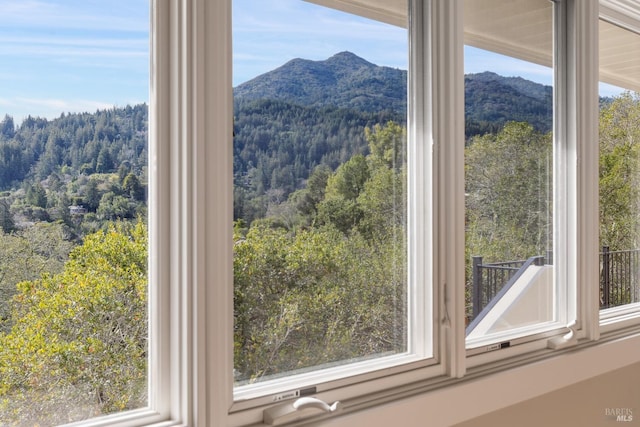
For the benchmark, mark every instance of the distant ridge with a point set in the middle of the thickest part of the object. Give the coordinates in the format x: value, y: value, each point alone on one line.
x: 348, y: 81
x: 492, y: 100
x: 344, y: 80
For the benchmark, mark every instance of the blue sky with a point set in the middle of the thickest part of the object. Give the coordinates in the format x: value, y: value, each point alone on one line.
x: 81, y: 55
x: 72, y: 55
x: 268, y: 34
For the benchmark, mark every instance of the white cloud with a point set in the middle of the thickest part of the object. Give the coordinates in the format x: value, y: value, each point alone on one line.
x: 51, y: 108
x: 64, y: 14
x: 71, y: 55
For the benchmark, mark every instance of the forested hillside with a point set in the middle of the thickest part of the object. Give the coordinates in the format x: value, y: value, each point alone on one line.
x: 73, y: 143
x: 62, y: 179
x: 492, y: 100
x: 320, y: 230
x: 344, y: 81
x: 288, y: 122
x: 306, y: 114
x: 278, y: 144
x: 97, y: 161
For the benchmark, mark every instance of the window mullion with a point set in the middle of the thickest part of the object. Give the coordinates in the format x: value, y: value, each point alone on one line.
x: 581, y: 107
x: 161, y: 366
x: 448, y: 136
x: 212, y: 104
x: 192, y: 87
x: 564, y: 167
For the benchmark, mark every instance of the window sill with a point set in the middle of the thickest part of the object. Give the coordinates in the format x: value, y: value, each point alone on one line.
x: 617, y: 318
x: 470, y: 394
x: 140, y: 417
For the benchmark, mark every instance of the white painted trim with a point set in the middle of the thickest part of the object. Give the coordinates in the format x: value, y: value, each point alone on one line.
x: 585, y: 104
x: 159, y: 294
x: 502, y: 389
x: 212, y: 174
x: 625, y: 13
x: 564, y: 164
x: 447, y: 58
x: 423, y: 331
x: 392, y: 14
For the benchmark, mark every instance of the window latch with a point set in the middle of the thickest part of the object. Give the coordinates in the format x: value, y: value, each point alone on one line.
x: 568, y: 340
x: 290, y: 411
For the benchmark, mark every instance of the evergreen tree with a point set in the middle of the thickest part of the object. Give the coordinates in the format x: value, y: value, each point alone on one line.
x: 37, y: 195
x: 7, y: 128
x: 6, y: 218
x: 92, y: 195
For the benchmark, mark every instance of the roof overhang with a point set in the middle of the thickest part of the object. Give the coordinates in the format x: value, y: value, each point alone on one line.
x: 522, y: 29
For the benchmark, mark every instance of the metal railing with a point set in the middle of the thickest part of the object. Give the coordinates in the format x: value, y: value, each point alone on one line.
x: 493, y: 299
x: 619, y: 277
x: 490, y: 278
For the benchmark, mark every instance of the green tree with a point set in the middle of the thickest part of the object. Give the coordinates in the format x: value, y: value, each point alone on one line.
x: 26, y: 255
x: 508, y: 185
x: 306, y: 200
x: 387, y: 145
x: 37, y: 195
x: 340, y: 206
x: 78, y: 342
x: 312, y: 298
x: 132, y: 187
x: 7, y: 224
x: 92, y: 195
x: 620, y: 172
x: 349, y: 179
x: 104, y: 162
x: 114, y: 207
x: 7, y: 127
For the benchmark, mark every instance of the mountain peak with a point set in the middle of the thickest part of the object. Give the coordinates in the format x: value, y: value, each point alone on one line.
x: 344, y: 80
x: 348, y: 58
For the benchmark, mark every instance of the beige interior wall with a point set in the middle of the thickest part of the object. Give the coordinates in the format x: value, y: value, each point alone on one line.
x: 591, y: 403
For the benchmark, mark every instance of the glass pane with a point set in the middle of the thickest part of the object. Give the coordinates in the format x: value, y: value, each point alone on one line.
x: 320, y: 253
x: 74, y: 79
x: 619, y: 166
x: 508, y: 166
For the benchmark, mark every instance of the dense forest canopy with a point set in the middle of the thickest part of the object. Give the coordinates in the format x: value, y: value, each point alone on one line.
x: 95, y: 161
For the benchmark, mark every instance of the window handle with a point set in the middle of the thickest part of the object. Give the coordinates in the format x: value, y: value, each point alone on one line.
x: 568, y: 340
x: 288, y: 412
x: 312, y: 402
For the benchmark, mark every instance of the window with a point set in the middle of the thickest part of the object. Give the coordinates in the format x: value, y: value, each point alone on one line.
x: 512, y: 289
x: 73, y: 287
x: 619, y: 109
x: 325, y: 252
x: 191, y: 125
x: 438, y: 72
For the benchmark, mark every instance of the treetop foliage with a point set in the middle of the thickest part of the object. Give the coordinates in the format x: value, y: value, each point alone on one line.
x: 78, y: 344
x: 620, y: 172
x: 328, y: 283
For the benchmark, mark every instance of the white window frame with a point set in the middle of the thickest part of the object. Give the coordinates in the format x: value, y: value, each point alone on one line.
x: 441, y: 68
x: 423, y: 359
x: 575, y: 136
x: 191, y: 299
x: 624, y: 15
